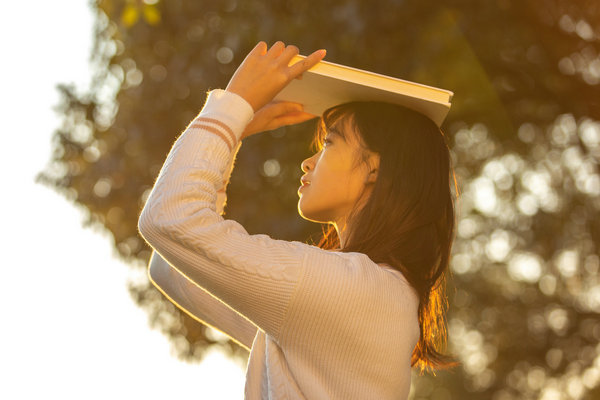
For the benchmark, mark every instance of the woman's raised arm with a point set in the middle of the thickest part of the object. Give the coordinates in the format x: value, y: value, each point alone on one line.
x: 253, y: 274
x: 198, y: 303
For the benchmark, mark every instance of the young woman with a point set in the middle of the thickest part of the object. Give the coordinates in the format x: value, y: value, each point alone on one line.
x: 346, y: 319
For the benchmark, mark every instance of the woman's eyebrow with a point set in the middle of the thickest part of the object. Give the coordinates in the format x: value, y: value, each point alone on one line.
x: 333, y: 131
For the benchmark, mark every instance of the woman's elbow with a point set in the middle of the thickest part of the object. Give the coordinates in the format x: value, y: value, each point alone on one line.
x: 144, y: 224
x: 150, y: 227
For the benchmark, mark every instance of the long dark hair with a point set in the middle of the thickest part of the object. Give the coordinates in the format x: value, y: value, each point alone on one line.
x: 408, y: 221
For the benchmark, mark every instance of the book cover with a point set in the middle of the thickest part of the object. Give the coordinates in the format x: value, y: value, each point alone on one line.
x: 328, y: 84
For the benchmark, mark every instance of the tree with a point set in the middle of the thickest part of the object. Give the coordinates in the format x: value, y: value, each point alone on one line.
x: 524, y: 132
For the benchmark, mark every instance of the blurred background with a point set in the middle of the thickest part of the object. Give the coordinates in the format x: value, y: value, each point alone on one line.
x: 69, y: 327
x: 524, y: 130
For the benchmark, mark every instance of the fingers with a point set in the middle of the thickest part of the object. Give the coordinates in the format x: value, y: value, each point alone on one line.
x: 265, y: 72
x: 276, y: 50
x: 274, y: 115
x: 276, y: 109
x: 260, y: 49
x: 289, y: 53
x: 307, y: 63
x: 284, y: 54
x: 280, y: 109
x: 293, y: 118
x: 288, y: 113
x: 285, y: 107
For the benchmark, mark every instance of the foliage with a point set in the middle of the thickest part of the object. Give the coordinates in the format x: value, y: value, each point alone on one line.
x: 526, y: 145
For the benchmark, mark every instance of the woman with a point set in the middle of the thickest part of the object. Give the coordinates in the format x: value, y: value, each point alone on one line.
x: 347, y: 319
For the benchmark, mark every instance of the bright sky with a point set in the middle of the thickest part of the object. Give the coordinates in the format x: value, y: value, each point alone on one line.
x: 69, y: 327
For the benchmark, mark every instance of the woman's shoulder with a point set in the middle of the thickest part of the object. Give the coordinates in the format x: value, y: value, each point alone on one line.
x: 360, y: 266
x: 352, y: 279
x: 389, y: 272
x: 364, y: 261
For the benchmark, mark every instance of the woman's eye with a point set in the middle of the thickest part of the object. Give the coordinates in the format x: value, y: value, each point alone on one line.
x: 326, y: 142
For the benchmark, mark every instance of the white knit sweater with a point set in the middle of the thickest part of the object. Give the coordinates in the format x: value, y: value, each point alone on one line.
x: 320, y: 324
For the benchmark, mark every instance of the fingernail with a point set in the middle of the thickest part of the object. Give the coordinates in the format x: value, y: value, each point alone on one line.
x: 323, y: 52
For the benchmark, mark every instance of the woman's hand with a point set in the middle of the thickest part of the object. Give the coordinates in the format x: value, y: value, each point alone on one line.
x: 275, y: 115
x: 264, y: 73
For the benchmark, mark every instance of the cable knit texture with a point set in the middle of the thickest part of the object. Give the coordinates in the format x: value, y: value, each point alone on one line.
x: 319, y: 324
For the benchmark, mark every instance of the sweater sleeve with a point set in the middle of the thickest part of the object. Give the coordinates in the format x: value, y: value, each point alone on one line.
x: 195, y: 300
x: 198, y: 303
x: 252, y: 274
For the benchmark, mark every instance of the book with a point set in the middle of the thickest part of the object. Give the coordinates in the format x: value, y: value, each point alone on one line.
x: 328, y: 84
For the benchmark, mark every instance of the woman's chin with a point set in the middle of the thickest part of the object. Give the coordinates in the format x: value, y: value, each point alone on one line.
x: 310, y: 215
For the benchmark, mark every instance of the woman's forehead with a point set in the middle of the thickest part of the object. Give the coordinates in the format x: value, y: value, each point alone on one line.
x: 345, y: 129
x: 335, y: 132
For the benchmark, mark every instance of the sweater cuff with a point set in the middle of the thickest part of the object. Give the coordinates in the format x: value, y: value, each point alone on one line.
x: 229, y: 108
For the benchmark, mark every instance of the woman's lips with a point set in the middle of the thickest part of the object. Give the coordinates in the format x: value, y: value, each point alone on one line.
x: 304, y: 185
x: 305, y: 182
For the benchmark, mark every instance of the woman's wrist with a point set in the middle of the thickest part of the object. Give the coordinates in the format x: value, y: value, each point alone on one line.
x: 229, y: 108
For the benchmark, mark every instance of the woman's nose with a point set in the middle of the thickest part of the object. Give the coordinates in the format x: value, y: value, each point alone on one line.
x: 306, y: 165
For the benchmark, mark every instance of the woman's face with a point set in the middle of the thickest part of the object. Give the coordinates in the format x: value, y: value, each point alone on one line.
x: 336, y: 176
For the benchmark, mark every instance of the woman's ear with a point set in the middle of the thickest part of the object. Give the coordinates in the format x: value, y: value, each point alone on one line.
x: 372, y: 177
x: 373, y: 169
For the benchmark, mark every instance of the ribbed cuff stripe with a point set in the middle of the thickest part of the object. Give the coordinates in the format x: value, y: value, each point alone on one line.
x: 220, y: 124
x: 214, y: 130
